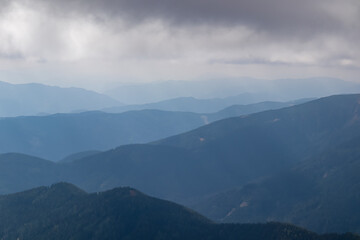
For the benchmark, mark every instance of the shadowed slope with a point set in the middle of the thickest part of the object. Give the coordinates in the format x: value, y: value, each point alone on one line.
x: 63, y: 211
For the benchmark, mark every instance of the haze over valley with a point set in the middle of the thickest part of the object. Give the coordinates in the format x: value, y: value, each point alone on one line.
x: 202, y: 119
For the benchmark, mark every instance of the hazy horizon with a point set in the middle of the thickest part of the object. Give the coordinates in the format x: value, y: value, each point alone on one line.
x: 102, y: 44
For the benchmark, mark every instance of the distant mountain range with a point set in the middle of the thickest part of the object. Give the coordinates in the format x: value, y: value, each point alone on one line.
x: 296, y: 164
x: 195, y: 96
x: 38, y: 99
x: 190, y: 104
x: 248, y: 90
x: 56, y: 136
x: 64, y: 211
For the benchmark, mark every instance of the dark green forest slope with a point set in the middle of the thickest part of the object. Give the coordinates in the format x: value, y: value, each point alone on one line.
x: 321, y: 194
x: 63, y: 211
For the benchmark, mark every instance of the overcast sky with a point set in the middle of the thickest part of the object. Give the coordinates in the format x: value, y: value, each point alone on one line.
x: 97, y: 43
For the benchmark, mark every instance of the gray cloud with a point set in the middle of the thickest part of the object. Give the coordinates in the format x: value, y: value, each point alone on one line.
x: 187, y: 38
x: 286, y: 17
x: 281, y: 20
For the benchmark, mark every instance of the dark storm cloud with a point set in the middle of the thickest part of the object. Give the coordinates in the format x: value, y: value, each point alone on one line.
x: 305, y: 17
x: 183, y: 38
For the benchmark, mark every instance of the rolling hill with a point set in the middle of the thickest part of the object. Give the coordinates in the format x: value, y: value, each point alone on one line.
x: 224, y: 154
x: 20, y: 172
x: 56, y: 136
x: 321, y: 194
x: 248, y: 90
x: 220, y: 155
x: 190, y: 104
x: 38, y: 99
x: 64, y: 211
x: 190, y: 167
